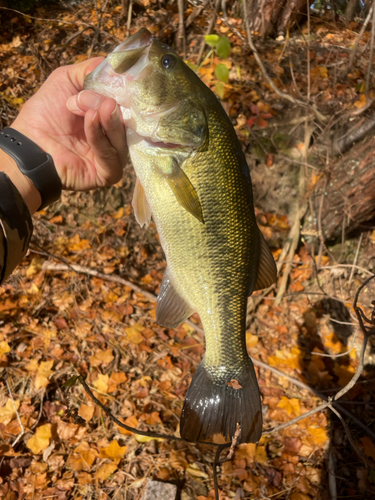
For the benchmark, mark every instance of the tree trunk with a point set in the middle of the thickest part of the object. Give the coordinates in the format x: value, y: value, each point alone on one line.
x: 350, y: 10
x: 346, y: 196
x: 272, y: 17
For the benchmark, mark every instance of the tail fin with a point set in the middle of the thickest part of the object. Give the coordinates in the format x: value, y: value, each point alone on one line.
x: 217, y: 400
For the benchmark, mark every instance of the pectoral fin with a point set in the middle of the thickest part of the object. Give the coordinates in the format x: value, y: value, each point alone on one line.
x: 171, y: 308
x: 142, y: 210
x: 184, y: 191
x: 267, y: 271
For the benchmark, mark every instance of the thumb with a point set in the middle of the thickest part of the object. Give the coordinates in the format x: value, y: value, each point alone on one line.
x: 78, y: 72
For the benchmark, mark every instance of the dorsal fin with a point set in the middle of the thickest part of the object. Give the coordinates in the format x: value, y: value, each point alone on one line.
x: 267, y: 271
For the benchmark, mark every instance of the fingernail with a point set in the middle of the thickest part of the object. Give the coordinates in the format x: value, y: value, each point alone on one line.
x: 71, y: 104
x: 95, y: 115
x: 115, y: 115
x: 89, y: 99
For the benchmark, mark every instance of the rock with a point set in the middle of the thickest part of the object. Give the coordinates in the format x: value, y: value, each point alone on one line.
x: 159, y: 490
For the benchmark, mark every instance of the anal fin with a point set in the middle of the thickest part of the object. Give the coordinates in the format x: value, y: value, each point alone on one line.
x: 142, y: 210
x: 267, y: 271
x: 171, y: 308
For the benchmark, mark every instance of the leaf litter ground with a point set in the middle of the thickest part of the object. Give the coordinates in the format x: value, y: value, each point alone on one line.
x: 57, y: 323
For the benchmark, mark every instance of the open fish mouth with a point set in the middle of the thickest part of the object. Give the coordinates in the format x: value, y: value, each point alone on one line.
x: 128, y: 62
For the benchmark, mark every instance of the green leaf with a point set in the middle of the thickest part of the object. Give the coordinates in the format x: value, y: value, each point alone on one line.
x: 220, y: 89
x: 71, y: 381
x: 223, y: 47
x: 222, y: 72
x: 212, y: 40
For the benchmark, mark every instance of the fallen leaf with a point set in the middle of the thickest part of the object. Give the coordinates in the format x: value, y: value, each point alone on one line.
x: 101, y: 358
x: 4, y: 348
x: 234, y: 384
x: 86, y: 412
x: 105, y: 471
x: 41, y: 439
x: 8, y: 411
x: 101, y: 383
x: 131, y: 422
x: 43, y: 374
x: 116, y: 379
x: 290, y: 405
x: 318, y: 435
x: 114, y: 450
x: 368, y: 447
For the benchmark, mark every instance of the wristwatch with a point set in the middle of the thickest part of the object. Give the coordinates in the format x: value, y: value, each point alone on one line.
x: 33, y: 162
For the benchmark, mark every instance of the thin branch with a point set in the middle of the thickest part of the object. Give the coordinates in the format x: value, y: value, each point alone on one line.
x: 209, y: 29
x: 360, y: 34
x: 271, y: 83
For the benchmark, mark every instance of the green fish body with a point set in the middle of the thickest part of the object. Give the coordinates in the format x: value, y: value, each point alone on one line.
x: 193, y: 178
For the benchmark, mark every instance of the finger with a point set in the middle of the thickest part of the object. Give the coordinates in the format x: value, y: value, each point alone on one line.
x: 107, y: 162
x: 110, y: 119
x: 72, y: 105
x: 78, y: 72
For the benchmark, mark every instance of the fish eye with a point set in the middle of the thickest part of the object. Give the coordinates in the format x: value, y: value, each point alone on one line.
x: 168, y: 61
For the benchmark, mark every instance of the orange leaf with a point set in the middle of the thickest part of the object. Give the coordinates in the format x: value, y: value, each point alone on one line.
x: 101, y: 358
x: 8, y: 412
x: 116, y: 379
x: 153, y: 418
x: 4, y: 348
x: 86, y: 412
x: 318, y: 435
x: 114, y: 450
x: 131, y: 422
x: 101, y: 383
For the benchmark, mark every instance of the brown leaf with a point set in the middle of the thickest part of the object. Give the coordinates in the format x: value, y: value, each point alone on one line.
x: 105, y: 471
x: 235, y: 384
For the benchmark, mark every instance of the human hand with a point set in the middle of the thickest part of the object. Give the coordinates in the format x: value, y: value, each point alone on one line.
x: 87, y: 141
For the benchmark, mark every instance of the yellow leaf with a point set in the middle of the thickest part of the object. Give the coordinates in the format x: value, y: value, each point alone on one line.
x: 34, y: 267
x: 114, y: 450
x: 101, y: 383
x: 146, y: 439
x: 133, y: 335
x: 119, y: 214
x: 41, y: 439
x: 290, y: 405
x: 8, y: 412
x: 332, y: 342
x: 101, y: 357
x: 290, y: 358
x: 44, y: 372
x: 105, y: 471
x: 32, y: 366
x: 368, y: 447
x: 251, y: 340
x: 4, y: 348
x: 318, y: 435
x: 75, y: 244
x: 261, y: 455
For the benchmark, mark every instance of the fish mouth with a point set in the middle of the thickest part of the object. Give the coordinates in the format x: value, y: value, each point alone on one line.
x: 129, y: 61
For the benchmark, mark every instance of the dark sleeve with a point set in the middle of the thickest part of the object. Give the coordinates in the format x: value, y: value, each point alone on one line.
x: 16, y: 227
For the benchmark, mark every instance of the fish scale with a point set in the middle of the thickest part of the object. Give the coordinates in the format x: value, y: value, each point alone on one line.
x: 195, y: 181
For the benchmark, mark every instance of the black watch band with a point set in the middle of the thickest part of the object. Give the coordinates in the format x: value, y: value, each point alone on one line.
x: 33, y: 162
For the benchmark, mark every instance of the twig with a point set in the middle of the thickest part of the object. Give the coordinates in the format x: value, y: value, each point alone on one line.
x: 360, y: 34
x: 196, y: 13
x: 355, y: 258
x: 331, y: 475
x: 181, y: 38
x: 271, y: 83
x: 234, y: 443
x: 129, y: 20
x: 209, y: 29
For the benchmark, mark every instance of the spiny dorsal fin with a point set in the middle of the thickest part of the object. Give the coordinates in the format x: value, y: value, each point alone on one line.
x: 267, y: 271
x: 171, y: 308
x: 142, y: 210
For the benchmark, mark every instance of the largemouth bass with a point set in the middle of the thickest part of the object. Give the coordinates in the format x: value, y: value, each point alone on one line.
x: 193, y: 178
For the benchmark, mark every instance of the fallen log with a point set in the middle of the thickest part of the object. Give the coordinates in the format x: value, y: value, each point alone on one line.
x: 345, y: 195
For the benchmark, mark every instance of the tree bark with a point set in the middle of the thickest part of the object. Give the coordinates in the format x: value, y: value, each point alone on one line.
x: 350, y: 10
x: 272, y: 17
x: 345, y: 197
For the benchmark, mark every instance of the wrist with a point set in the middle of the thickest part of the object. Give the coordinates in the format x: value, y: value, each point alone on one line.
x: 34, y: 164
x: 25, y: 186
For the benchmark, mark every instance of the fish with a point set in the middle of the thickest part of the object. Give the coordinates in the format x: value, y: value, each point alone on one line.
x: 193, y: 179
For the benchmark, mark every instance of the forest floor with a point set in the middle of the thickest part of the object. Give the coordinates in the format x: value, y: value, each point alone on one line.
x: 59, y: 321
